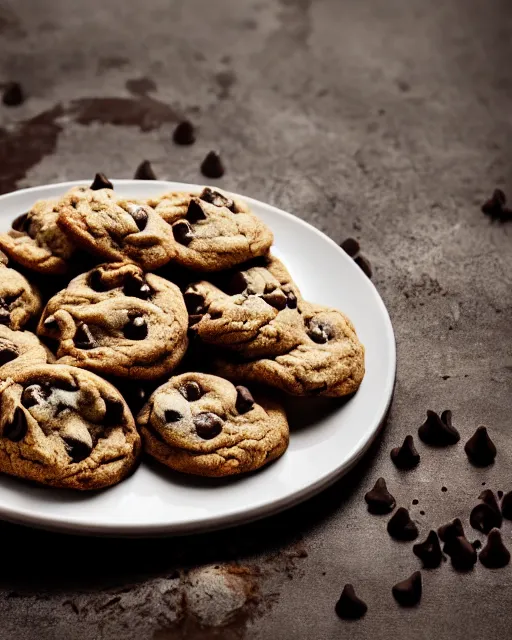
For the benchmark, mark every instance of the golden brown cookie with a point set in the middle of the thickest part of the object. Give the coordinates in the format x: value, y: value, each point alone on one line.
x: 65, y: 427
x: 203, y: 425
x: 19, y: 300
x: 20, y: 349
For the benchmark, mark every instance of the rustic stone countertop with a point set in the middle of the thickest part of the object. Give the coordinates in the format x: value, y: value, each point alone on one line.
x: 387, y: 121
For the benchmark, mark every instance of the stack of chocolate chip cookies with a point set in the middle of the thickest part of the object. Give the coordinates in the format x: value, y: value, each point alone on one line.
x: 125, y: 325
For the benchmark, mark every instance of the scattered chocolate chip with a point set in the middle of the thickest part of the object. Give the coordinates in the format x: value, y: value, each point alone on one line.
x: 21, y: 223
x: 136, y: 328
x: 217, y: 199
x: 461, y: 552
x: 184, y: 133
x: 350, y: 246
x: 83, y: 338
x: 191, y: 391
x: 506, y: 506
x: 365, y: 266
x: 17, y: 428
x: 95, y: 281
x: 429, y: 552
x: 212, y: 166
x: 208, y: 425
x: 13, y: 94
x: 495, y: 207
x: 136, y: 287
x: 32, y: 395
x: 480, y: 449
x: 195, y: 212
x: 101, y: 182
x: 379, y: 500
x: 7, y: 354
x: 276, y: 299
x: 408, y: 592
x: 401, y: 527
x: 495, y: 554
x: 349, y: 606
x: 182, y: 232
x: 244, y: 399
x: 114, y: 412
x: 5, y: 316
x: 76, y: 449
x: 486, y: 516
x: 320, y: 331
x: 144, y: 171
x: 51, y: 323
x: 422, y: 513
x: 406, y: 456
x: 171, y: 415
x: 444, y: 489
x: 451, y: 530
x: 140, y: 216
x: 415, y: 501
x: 438, y: 431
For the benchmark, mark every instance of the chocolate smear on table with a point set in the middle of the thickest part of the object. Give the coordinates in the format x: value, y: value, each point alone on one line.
x: 13, y: 94
x: 480, y: 449
x: 495, y: 554
x: 401, y: 527
x: 349, y: 606
x: 438, y: 431
x: 496, y: 207
x: 408, y: 592
x: 350, y: 246
x: 101, y: 182
x: 184, y: 133
x: 145, y: 171
x: 506, y: 506
x: 212, y: 166
x: 461, y: 552
x: 406, y: 456
x: 486, y: 516
x: 429, y: 551
x: 379, y: 500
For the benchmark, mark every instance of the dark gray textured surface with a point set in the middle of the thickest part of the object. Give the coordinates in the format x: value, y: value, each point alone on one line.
x: 389, y: 121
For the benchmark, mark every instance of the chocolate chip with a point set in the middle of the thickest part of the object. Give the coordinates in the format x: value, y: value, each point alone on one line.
x: 17, y: 428
x: 136, y: 287
x: 462, y: 553
x: 212, y: 166
x: 171, y: 415
x: 65, y: 385
x: 401, y: 527
x: 495, y: 554
x: 101, y: 182
x: 320, y: 331
x: 364, y: 264
x: 429, y: 552
x: 506, y: 506
x: 184, y: 133
x: 438, y: 431
x: 237, y: 284
x: 244, y: 399
x: 114, y: 412
x: 76, y: 449
x: 195, y: 212
x: 217, y: 199
x: 136, y: 328
x: 495, y: 207
x: 408, y: 592
x: 21, y: 223
x: 349, y: 606
x: 51, y: 323
x: 450, y: 531
x: 276, y: 299
x: 182, y: 232
x: 480, y: 449
x: 379, y: 500
x: 194, y: 302
x: 486, y: 516
x: 83, y: 338
x: 7, y: 354
x: 291, y: 300
x: 350, y: 246
x: 406, y: 456
x: 5, y: 316
x: 144, y: 171
x: 191, y: 391
x: 140, y: 215
x: 33, y: 395
x: 13, y: 94
x: 95, y: 281
x: 208, y: 425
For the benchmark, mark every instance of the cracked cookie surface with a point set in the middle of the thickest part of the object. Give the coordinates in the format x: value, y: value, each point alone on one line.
x: 65, y: 427
x: 19, y: 349
x: 202, y: 424
x: 19, y: 300
x: 115, y: 320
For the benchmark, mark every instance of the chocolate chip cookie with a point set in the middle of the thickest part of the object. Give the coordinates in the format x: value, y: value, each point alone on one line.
x: 115, y: 320
x: 65, y: 427
x: 19, y: 349
x: 19, y: 300
x: 213, y: 231
x: 203, y: 425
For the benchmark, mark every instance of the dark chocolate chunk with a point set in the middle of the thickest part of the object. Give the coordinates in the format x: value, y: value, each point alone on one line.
x: 136, y: 328
x: 495, y: 554
x: 114, y: 411
x: 438, y: 432
x: 291, y: 300
x: 237, y: 284
x: 429, y: 552
x: 76, y: 449
x: 212, y: 166
x: 32, y: 395
x: 17, y: 428
x: 276, y: 299
x: 217, y: 199
x: 496, y: 207
x: 191, y: 391
x: 195, y: 212
x: 462, y: 553
x: 379, y: 500
x: 171, y: 415
x: 13, y: 94
x: 506, y: 506
x: 7, y: 354
x: 244, y: 399
x: 480, y: 449
x: 320, y: 331
x: 101, y: 182
x: 5, y: 316
x: 136, y: 287
x: 144, y: 171
x: 184, y: 133
x: 448, y: 532
x: 182, y: 232
x: 83, y: 338
x: 51, y: 323
x: 365, y: 266
x: 406, y: 456
x: 350, y: 246
x: 21, y: 223
x: 486, y: 516
x: 349, y: 606
x: 194, y: 302
x: 140, y: 215
x: 208, y: 425
x: 95, y: 281
x: 408, y: 592
x: 401, y: 527
x: 65, y: 385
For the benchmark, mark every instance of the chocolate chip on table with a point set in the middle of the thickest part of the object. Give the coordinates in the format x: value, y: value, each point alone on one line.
x: 244, y: 399
x: 144, y: 171
x: 365, y: 266
x: 136, y: 328
x: 401, y: 527
x: 379, y: 500
x: 276, y: 299
x: 17, y: 428
x: 182, y: 232
x: 506, y: 506
x: 406, y: 456
x: 83, y: 337
x: 114, y: 412
x: 195, y: 212
x: 429, y: 551
x: 7, y: 354
x: 495, y: 554
x: 136, y: 287
x: 171, y: 415
x: 51, y: 323
x: 320, y: 331
x: 462, y: 553
x: 448, y: 532
x: 101, y: 182
x: 140, y: 216
x: 217, y: 199
x: 33, y: 395
x: 191, y: 391
x: 486, y: 516
x: 76, y: 449
x: 408, y: 592
x: 350, y: 246
x: 184, y: 133
x: 349, y: 606
x: 480, y: 449
x: 496, y: 207
x: 13, y: 94
x: 21, y: 223
x: 208, y: 425
x: 212, y: 166
x: 438, y: 431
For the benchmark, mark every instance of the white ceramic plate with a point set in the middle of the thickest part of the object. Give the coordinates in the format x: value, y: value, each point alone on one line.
x: 327, y: 438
